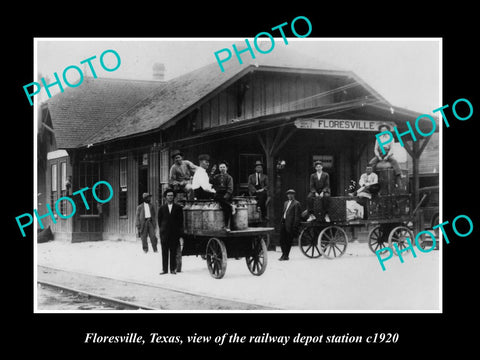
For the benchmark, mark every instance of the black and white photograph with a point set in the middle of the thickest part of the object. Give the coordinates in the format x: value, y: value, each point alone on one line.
x: 296, y: 181
x: 220, y: 175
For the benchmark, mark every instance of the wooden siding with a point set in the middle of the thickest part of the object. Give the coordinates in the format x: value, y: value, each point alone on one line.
x: 62, y: 229
x: 116, y: 227
x: 264, y: 94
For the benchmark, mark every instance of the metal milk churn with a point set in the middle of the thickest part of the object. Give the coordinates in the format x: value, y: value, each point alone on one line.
x: 240, y: 218
x: 253, y: 213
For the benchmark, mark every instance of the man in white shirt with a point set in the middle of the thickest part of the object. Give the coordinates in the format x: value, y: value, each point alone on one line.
x: 201, y: 185
x: 368, y: 183
x: 145, y: 221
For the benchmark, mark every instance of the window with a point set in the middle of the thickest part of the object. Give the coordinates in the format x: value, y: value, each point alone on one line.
x: 164, y: 166
x: 88, y: 175
x: 63, y: 187
x: 122, y: 206
x: 246, y: 166
x: 53, y: 191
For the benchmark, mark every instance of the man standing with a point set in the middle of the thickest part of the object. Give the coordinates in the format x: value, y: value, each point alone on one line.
x: 223, y: 185
x: 258, y: 186
x: 181, y: 173
x: 290, y: 223
x: 319, y: 192
x: 170, y: 222
x: 145, y: 222
x: 201, y: 185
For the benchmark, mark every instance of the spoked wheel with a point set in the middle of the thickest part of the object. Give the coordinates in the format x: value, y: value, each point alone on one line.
x: 399, y: 236
x: 216, y: 256
x: 308, y: 242
x: 257, y: 258
x: 333, y: 241
x: 377, y: 238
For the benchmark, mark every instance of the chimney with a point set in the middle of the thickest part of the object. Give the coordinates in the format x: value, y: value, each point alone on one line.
x: 158, y: 71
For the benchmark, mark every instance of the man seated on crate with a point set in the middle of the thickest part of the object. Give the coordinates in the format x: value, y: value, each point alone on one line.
x: 319, y: 193
x: 368, y: 183
x: 387, y: 156
x: 223, y: 185
x: 201, y: 186
x: 181, y: 173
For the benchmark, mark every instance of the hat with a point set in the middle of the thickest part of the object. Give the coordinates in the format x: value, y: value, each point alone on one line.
x: 290, y: 191
x: 258, y: 162
x: 176, y: 152
x: 317, y: 162
x: 204, y: 157
x: 145, y: 195
x: 383, y: 124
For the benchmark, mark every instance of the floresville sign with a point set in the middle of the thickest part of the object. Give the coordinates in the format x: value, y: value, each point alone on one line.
x: 340, y: 124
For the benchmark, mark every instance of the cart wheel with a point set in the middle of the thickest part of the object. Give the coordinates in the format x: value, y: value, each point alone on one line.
x: 257, y: 258
x: 216, y: 258
x: 308, y: 243
x: 377, y: 238
x: 333, y: 241
x: 399, y: 235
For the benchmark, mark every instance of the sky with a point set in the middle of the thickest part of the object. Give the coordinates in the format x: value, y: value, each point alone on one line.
x: 404, y: 71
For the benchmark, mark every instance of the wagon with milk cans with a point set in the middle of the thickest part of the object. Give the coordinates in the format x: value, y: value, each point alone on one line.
x: 389, y: 216
x: 204, y: 235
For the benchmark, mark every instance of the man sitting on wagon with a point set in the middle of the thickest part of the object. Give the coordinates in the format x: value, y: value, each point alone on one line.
x: 223, y: 185
x: 201, y: 185
x: 368, y: 183
x: 181, y: 173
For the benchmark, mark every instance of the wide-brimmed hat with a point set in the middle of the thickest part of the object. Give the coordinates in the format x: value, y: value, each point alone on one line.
x: 258, y: 162
x: 317, y: 162
x: 290, y: 191
x: 176, y: 152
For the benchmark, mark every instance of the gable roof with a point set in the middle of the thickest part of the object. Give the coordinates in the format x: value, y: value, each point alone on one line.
x: 80, y: 112
x: 183, y: 93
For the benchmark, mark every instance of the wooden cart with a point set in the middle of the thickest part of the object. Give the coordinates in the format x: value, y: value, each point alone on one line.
x: 388, y: 226
x: 216, y: 246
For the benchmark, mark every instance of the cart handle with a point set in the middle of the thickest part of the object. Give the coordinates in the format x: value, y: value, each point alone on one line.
x: 419, y: 204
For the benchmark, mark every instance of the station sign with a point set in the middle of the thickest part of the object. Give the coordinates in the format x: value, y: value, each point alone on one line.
x: 340, y: 124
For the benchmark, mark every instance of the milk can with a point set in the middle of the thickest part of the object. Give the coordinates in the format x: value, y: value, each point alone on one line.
x: 240, y: 218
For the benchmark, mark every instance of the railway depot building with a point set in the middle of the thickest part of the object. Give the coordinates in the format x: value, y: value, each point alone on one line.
x: 273, y: 108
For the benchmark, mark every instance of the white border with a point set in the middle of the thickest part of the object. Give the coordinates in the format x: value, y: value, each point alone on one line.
x: 36, y: 109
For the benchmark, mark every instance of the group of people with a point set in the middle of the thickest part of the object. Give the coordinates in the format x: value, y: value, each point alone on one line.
x: 195, y: 183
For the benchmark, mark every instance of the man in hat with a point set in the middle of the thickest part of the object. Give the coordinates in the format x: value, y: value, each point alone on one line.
x: 170, y: 222
x: 319, y: 192
x: 388, y: 156
x: 181, y: 173
x: 258, y: 186
x: 290, y: 223
x: 146, y: 223
x: 201, y: 185
x: 223, y: 185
